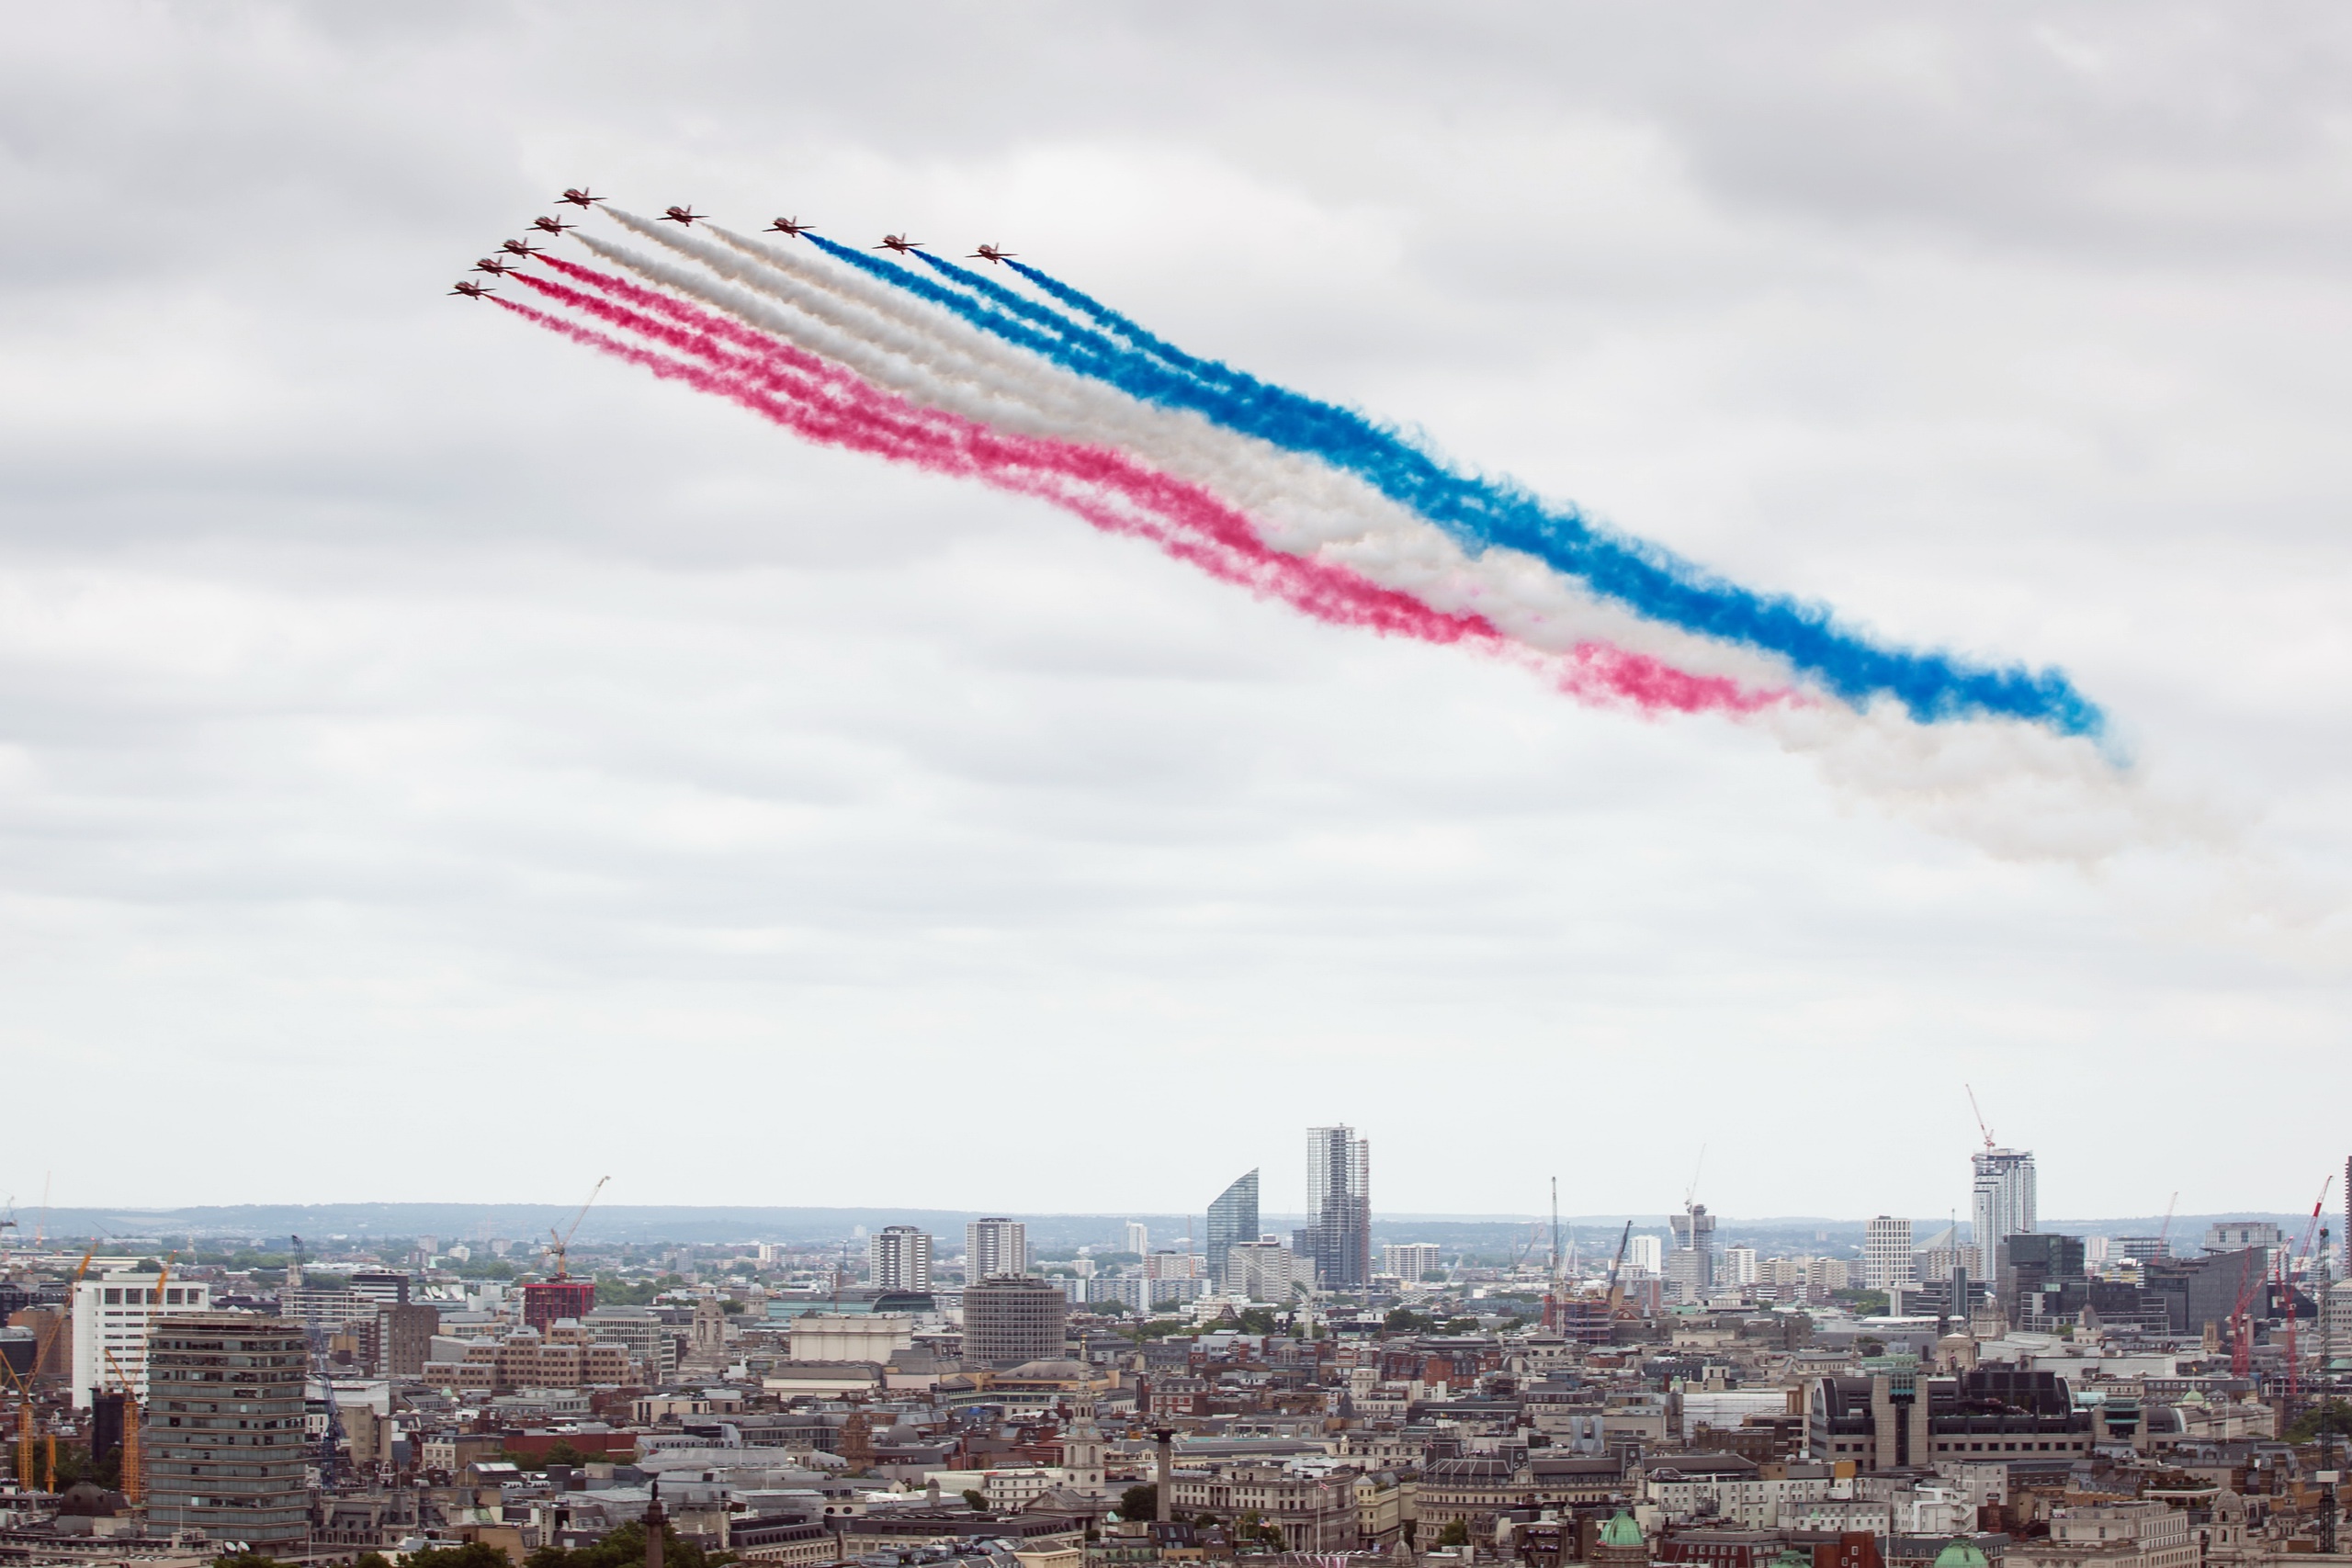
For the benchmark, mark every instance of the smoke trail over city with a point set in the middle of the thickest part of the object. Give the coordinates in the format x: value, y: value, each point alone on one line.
x: 1025, y: 383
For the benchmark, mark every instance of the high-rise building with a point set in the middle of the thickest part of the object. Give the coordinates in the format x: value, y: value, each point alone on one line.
x: 1692, y: 1263
x: 383, y: 1288
x: 1136, y: 1239
x: 1261, y: 1269
x: 234, y: 1472
x: 1010, y: 1318
x: 1646, y: 1254
x: 110, y: 1318
x: 901, y: 1259
x: 1409, y: 1260
x: 1739, y: 1266
x: 1886, y: 1253
x: 547, y: 1302
x: 1339, y: 1196
x: 1232, y: 1217
x: 404, y: 1338
x: 2002, y: 1205
x: 993, y: 1247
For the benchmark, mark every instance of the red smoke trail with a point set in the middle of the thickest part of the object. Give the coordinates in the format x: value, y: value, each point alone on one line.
x: 849, y: 411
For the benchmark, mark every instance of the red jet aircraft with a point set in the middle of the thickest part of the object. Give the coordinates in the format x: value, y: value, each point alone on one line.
x: 473, y: 290
x: 493, y: 267
x: 579, y: 197
x: 517, y: 247
x: 792, y: 226
x: 550, y: 226
x: 989, y: 253
x: 682, y: 215
x: 900, y: 243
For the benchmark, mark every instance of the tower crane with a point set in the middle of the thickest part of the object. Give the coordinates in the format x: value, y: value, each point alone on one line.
x: 563, y: 1239
x: 1980, y: 1118
x: 27, y: 1421
x: 2163, y: 1235
x: 1616, y: 1272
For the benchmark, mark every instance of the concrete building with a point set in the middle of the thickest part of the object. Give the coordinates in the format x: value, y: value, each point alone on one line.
x: 2236, y: 1236
x: 2115, y: 1535
x: 993, y: 1247
x: 1646, y: 1254
x: 1314, y: 1513
x: 899, y: 1258
x: 404, y: 1334
x: 1013, y: 1318
x: 1740, y: 1266
x: 110, y: 1318
x: 1135, y: 1236
x: 1886, y: 1253
x: 1339, y: 1199
x: 1691, y: 1266
x: 1891, y: 1417
x: 1233, y: 1217
x: 851, y: 1337
x: 651, y: 1342
x: 226, y: 1442
x: 1409, y: 1260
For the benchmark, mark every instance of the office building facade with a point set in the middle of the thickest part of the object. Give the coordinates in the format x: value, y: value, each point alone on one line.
x: 1013, y: 1318
x: 110, y: 1318
x: 1339, y: 1196
x: 995, y: 1247
x: 1233, y: 1217
x: 1409, y: 1260
x: 899, y: 1258
x: 2002, y: 1203
x: 1692, y: 1265
x: 225, y: 1445
x: 1886, y: 1253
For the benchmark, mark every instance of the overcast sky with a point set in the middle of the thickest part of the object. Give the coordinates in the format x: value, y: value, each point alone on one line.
x: 436, y: 763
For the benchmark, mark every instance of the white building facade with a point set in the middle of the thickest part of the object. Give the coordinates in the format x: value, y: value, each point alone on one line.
x: 110, y: 1318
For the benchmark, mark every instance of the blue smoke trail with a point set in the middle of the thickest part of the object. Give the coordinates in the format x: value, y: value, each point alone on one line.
x: 1480, y: 513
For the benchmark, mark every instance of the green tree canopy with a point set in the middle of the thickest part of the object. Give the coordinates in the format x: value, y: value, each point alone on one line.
x: 1140, y: 1502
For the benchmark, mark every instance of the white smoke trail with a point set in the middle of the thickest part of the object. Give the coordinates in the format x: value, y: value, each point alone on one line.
x: 2012, y: 789
x: 1302, y: 507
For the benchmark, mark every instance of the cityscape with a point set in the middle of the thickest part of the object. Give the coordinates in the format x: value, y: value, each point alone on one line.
x: 1664, y: 1389
x: 1217, y: 785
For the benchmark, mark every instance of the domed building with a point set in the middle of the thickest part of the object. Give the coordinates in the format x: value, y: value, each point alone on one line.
x: 1619, y: 1545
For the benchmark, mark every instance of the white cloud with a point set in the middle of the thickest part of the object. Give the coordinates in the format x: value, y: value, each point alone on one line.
x: 399, y: 710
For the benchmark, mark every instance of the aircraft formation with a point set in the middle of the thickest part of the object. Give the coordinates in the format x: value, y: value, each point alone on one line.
x: 684, y: 215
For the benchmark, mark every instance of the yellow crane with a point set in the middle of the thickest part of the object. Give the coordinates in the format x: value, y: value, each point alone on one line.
x: 563, y: 1239
x: 28, y: 1424
x: 134, y: 1475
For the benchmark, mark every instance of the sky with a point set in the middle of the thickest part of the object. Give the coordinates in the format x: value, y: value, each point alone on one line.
x: 436, y: 763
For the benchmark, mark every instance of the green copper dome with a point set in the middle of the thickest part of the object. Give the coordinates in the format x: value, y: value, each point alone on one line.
x: 1623, y: 1531
x: 1961, y: 1554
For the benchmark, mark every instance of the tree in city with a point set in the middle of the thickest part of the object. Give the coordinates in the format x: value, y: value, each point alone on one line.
x: 473, y: 1554
x: 564, y: 1453
x: 624, y: 1548
x: 976, y: 1499
x: 1455, y: 1533
x: 1140, y: 1502
x: 2331, y: 1419
x: 1405, y: 1320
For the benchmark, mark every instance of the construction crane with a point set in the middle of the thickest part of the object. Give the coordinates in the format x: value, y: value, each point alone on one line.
x: 1980, y: 1118
x: 2163, y: 1235
x: 132, y: 1491
x: 28, y: 1428
x: 562, y: 1247
x: 2287, y: 1271
x: 1616, y: 1272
